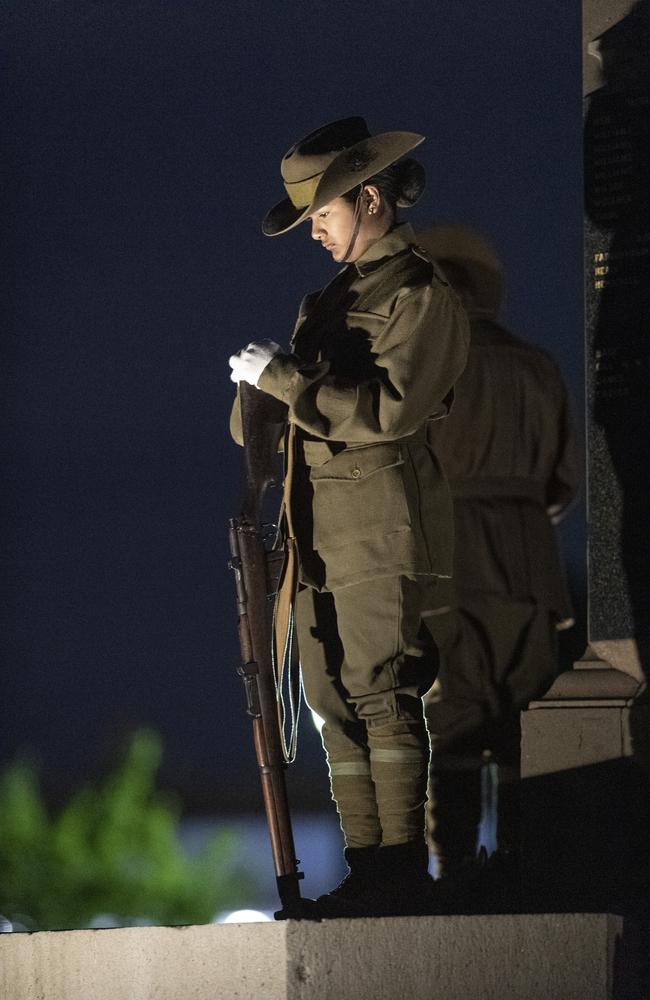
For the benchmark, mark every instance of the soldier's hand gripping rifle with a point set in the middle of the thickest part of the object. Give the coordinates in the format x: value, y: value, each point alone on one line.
x: 263, y: 421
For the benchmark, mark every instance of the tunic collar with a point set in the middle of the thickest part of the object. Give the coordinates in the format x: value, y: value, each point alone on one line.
x: 395, y: 241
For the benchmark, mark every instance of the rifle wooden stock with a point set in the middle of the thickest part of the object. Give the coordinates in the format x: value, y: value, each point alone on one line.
x: 255, y: 588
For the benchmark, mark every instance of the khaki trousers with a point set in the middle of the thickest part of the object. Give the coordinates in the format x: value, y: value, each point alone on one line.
x: 366, y: 660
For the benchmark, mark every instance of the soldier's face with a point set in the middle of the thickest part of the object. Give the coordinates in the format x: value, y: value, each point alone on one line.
x: 333, y: 225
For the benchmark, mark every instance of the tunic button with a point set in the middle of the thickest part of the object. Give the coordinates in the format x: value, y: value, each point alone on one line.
x: 356, y: 472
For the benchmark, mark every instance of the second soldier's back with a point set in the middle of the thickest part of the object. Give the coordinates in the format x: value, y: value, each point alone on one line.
x: 509, y: 453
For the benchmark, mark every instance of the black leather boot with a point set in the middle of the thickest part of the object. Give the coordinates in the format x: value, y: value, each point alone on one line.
x: 354, y: 896
x: 406, y: 888
x: 390, y: 881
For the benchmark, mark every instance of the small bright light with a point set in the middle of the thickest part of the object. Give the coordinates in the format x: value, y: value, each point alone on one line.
x: 318, y: 722
x: 243, y: 917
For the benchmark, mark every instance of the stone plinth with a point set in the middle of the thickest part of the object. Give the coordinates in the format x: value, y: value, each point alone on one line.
x: 586, y: 717
x: 564, y: 956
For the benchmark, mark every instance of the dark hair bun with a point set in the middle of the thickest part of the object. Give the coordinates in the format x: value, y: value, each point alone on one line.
x: 412, y: 179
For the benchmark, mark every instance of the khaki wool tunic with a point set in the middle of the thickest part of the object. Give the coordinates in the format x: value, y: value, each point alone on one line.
x: 374, y: 357
x: 510, y: 454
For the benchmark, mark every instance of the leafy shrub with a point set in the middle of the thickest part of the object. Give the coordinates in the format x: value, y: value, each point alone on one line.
x: 113, y: 849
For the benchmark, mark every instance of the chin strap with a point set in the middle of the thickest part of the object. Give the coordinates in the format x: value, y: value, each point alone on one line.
x: 355, y: 226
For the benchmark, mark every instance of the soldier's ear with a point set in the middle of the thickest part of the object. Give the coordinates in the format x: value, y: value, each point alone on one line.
x: 372, y: 199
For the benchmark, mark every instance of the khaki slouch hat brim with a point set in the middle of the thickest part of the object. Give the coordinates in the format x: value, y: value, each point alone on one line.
x: 313, y: 176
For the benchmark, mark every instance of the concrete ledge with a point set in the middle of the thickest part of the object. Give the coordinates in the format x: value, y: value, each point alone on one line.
x: 523, y: 957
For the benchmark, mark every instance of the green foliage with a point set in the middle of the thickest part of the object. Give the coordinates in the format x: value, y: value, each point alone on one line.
x: 114, y: 849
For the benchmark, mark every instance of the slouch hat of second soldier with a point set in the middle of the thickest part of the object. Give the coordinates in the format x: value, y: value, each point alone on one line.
x: 464, y: 246
x: 329, y: 162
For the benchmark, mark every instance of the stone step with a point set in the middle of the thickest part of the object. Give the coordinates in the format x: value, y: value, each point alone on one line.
x: 522, y: 957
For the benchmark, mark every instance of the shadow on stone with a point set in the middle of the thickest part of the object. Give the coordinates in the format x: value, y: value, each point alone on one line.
x: 590, y: 848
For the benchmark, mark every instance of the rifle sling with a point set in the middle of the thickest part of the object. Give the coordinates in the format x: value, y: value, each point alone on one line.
x: 284, y: 648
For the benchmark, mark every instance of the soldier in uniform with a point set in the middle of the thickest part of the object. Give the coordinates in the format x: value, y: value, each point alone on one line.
x: 510, y: 455
x: 373, y: 358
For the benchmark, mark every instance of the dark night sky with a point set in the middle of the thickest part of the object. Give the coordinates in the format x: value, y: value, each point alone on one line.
x: 141, y: 146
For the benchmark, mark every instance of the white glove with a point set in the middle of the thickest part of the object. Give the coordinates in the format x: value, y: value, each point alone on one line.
x: 249, y: 363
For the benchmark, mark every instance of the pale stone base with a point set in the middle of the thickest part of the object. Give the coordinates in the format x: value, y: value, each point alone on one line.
x: 524, y: 957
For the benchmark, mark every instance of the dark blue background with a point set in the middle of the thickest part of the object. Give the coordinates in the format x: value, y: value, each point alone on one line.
x: 141, y: 147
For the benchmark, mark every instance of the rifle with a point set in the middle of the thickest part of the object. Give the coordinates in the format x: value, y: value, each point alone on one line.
x: 256, y: 569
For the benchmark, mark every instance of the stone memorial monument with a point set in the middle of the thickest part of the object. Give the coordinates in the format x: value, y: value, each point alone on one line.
x: 586, y: 744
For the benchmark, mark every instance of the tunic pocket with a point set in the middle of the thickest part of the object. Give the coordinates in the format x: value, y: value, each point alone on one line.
x: 358, y: 494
